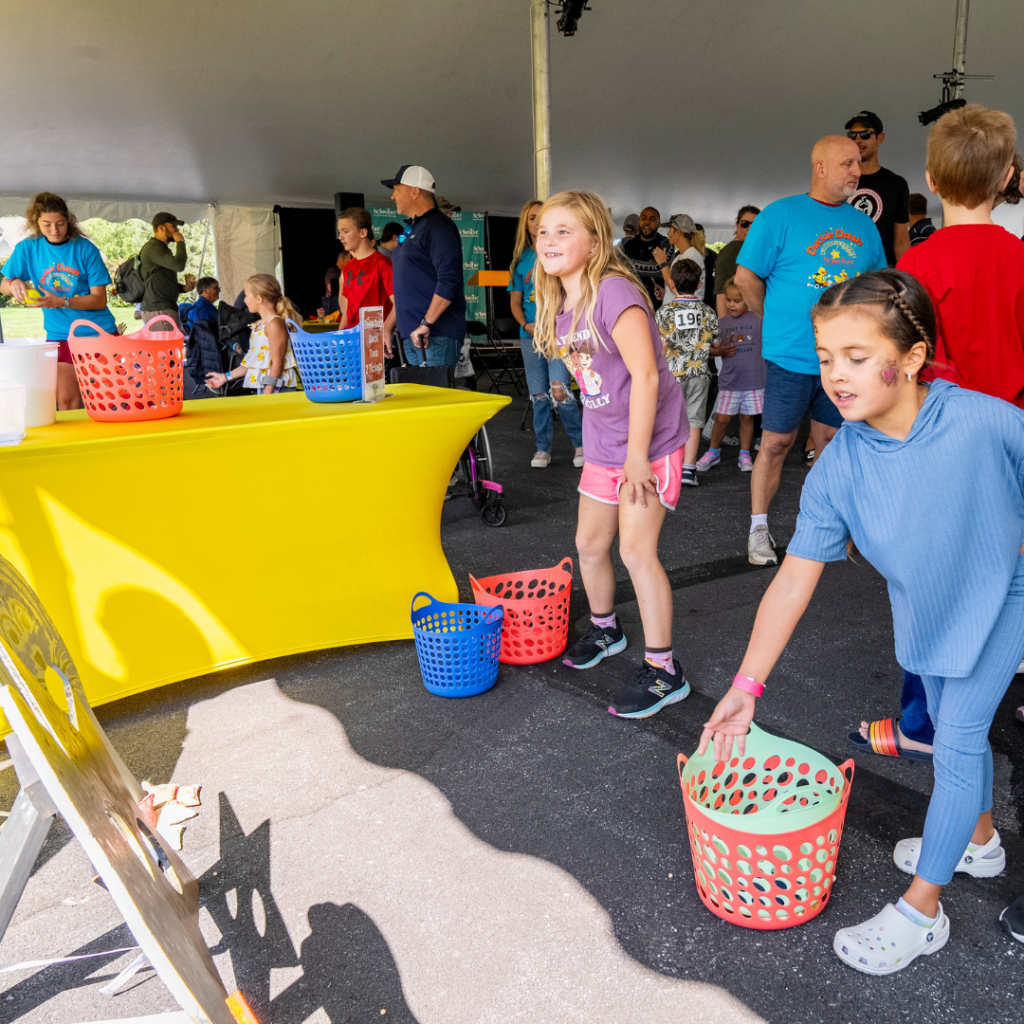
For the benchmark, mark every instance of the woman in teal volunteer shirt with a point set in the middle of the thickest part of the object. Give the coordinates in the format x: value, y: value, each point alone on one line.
x: 68, y: 272
x: 547, y: 379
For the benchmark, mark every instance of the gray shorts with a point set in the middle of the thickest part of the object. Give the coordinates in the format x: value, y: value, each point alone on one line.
x: 695, y: 393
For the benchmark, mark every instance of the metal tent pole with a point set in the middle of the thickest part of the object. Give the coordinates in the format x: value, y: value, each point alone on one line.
x: 960, y: 46
x: 539, y: 46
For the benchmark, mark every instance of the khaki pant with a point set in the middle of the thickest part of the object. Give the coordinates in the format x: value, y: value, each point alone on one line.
x: 149, y: 314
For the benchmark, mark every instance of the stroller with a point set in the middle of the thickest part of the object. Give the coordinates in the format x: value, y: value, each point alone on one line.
x: 207, y: 352
x: 475, y: 466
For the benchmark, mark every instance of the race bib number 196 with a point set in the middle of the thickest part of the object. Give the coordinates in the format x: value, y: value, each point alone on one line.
x: 686, y: 318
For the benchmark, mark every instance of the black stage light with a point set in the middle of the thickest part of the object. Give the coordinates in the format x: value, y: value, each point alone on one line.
x: 926, y: 117
x: 572, y: 11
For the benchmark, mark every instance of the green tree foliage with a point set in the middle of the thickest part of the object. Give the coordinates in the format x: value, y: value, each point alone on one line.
x: 118, y: 241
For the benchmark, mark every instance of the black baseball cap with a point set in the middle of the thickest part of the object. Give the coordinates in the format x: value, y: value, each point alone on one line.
x: 166, y: 218
x: 869, y: 120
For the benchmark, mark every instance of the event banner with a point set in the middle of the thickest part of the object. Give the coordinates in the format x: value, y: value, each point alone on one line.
x: 474, y: 257
x: 371, y: 352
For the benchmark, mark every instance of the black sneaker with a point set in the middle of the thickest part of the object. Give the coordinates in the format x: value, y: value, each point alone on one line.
x: 599, y: 642
x: 651, y: 690
x: 1012, y: 919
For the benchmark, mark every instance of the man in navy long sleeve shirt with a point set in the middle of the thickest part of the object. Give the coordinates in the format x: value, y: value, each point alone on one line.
x: 430, y: 294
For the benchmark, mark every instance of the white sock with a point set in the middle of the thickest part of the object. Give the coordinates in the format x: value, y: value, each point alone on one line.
x: 756, y: 521
x: 915, y: 915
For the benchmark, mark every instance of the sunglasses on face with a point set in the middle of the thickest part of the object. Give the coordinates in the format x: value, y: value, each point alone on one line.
x: 744, y: 223
x: 860, y: 135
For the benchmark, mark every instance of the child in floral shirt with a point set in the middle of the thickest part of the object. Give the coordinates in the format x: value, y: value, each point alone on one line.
x: 689, y: 336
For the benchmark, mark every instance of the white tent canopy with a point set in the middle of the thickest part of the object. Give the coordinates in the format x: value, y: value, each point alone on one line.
x: 689, y: 105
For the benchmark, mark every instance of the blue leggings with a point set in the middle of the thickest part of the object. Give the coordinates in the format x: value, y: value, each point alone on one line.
x: 962, y: 711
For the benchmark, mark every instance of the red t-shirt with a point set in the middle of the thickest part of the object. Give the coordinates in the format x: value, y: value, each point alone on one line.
x: 974, y: 274
x: 367, y: 282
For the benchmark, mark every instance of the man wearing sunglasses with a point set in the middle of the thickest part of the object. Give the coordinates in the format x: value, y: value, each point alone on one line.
x: 725, y: 265
x: 881, y: 194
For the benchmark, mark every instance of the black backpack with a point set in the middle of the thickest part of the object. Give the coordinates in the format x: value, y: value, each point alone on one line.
x: 128, y: 280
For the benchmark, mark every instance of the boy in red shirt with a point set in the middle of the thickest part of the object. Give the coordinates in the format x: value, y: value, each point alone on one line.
x: 973, y: 269
x: 366, y: 279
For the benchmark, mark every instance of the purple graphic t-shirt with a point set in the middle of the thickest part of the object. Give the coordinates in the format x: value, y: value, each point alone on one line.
x: 745, y: 370
x: 604, y: 380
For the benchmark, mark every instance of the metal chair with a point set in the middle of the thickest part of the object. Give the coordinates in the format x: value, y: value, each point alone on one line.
x: 496, y: 357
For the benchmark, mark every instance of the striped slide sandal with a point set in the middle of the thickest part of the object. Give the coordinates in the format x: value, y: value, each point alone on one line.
x: 883, y: 738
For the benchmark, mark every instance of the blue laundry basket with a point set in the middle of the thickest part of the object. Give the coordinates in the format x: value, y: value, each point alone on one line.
x: 458, y: 646
x: 329, y: 364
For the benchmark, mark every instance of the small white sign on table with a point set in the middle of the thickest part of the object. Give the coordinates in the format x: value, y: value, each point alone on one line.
x: 371, y: 352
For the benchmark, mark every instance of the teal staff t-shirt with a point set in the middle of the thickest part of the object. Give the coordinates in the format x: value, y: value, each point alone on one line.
x: 522, y: 281
x: 69, y: 269
x: 801, y: 247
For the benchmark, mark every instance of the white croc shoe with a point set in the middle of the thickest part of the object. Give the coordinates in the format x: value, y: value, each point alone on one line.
x: 978, y: 861
x: 889, y: 941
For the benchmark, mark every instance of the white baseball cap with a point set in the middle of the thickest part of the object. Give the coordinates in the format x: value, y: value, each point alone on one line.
x: 414, y: 175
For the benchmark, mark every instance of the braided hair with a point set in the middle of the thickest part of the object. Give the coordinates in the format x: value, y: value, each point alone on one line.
x: 904, y: 311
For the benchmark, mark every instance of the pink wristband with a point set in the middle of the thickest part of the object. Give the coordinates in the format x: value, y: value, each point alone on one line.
x: 748, y: 684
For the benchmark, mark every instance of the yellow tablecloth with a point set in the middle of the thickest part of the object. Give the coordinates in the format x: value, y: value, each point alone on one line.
x: 243, y: 529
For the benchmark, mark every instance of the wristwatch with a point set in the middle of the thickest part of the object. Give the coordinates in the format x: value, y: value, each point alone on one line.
x: 426, y: 323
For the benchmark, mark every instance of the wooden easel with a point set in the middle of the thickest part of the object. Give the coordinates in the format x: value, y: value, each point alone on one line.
x: 65, y: 763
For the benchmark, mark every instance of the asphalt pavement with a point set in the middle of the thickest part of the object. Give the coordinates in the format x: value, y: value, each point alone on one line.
x: 365, y: 846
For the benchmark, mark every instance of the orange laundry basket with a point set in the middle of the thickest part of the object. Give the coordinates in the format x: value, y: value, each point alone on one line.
x: 536, y: 611
x: 764, y: 830
x: 126, y: 377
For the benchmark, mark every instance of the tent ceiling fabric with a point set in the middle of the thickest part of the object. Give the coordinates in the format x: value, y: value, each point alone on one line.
x: 695, y: 105
x: 110, y: 209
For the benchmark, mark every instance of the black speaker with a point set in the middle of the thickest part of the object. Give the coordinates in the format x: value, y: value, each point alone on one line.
x: 343, y: 200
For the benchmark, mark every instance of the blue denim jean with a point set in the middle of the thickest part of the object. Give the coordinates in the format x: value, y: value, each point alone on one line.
x: 541, y: 373
x: 962, y: 711
x: 440, y: 352
x: 914, y: 721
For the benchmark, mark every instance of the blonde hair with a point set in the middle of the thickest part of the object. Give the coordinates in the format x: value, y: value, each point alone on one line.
x: 266, y: 286
x: 700, y: 242
x: 523, y: 233
x: 969, y: 152
x: 603, y: 262
x: 47, y: 202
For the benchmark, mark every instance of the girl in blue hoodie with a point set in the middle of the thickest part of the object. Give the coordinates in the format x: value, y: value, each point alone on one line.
x: 956, y: 579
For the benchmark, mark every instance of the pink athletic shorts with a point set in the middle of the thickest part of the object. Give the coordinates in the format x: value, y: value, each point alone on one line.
x: 602, y: 484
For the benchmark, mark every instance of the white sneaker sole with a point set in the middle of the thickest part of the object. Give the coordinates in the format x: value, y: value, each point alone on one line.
x: 755, y: 559
x: 1006, y: 926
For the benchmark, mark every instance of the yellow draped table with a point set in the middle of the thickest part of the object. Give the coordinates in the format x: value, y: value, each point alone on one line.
x: 242, y: 529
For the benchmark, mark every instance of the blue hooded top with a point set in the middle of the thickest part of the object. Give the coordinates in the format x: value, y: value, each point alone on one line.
x: 940, y: 515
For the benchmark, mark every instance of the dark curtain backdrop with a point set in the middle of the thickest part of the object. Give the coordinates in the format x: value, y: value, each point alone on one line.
x: 501, y: 240
x: 309, y: 245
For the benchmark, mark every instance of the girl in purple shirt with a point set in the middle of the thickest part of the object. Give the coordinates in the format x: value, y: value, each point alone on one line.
x: 594, y: 314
